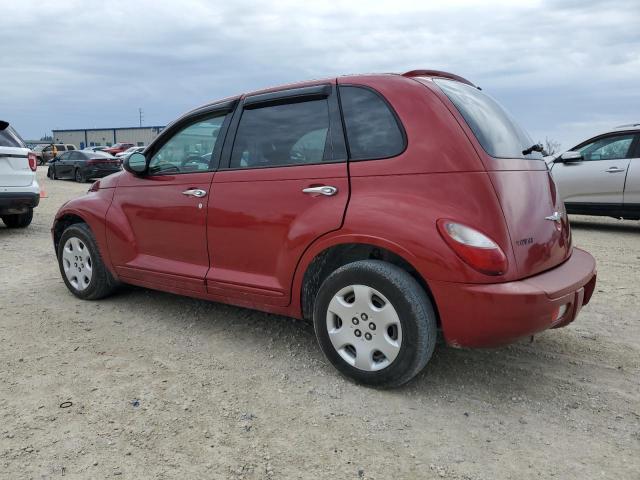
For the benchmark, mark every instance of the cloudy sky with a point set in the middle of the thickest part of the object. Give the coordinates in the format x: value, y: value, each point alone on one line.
x: 565, y: 69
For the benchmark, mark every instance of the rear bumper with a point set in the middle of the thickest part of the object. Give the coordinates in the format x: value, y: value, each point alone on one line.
x: 487, y: 315
x: 18, y: 202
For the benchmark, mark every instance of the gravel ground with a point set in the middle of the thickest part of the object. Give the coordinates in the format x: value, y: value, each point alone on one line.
x: 164, y: 386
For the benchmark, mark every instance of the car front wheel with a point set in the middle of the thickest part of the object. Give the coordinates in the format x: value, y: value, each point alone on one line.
x: 375, y: 323
x: 80, y: 178
x: 83, y: 271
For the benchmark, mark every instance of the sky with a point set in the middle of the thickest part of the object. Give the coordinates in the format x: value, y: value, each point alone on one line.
x: 564, y: 69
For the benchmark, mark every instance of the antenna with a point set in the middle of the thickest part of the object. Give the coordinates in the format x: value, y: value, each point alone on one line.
x: 140, y: 115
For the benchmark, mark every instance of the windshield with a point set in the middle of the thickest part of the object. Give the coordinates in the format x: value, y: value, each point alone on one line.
x: 495, y: 129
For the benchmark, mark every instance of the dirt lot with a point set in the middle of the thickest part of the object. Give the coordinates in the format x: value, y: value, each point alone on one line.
x: 166, y: 387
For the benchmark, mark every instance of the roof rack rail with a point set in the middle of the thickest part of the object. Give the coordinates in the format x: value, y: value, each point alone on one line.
x: 629, y: 125
x: 437, y: 73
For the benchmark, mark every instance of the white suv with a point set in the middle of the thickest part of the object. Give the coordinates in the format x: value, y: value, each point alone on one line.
x: 19, y: 189
x: 601, y: 176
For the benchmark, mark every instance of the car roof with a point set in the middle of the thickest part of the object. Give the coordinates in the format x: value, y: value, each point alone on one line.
x: 306, y: 83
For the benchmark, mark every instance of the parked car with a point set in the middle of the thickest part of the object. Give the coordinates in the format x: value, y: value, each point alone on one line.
x: 118, y: 147
x: 44, y: 153
x: 601, y: 176
x: 82, y: 165
x: 404, y: 204
x: 129, y: 151
x: 19, y: 189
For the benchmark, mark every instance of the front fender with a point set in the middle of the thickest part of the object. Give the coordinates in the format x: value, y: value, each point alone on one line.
x: 91, y: 208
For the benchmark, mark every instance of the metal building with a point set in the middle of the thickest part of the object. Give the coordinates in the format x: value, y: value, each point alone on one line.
x: 90, y: 137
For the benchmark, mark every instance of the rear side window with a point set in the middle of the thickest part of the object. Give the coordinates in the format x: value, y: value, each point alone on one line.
x: 61, y: 148
x: 70, y: 147
x: 280, y: 135
x: 372, y: 129
x: 495, y: 129
x: 10, y: 138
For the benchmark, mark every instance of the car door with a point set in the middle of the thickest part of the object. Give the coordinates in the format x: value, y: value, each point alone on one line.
x: 62, y: 165
x: 631, y: 197
x: 598, y: 179
x: 283, y: 183
x: 156, y: 225
x: 76, y: 160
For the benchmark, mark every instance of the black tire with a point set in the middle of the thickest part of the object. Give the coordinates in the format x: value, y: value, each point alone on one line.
x: 414, y: 309
x: 79, y: 176
x: 102, y: 282
x: 19, y: 220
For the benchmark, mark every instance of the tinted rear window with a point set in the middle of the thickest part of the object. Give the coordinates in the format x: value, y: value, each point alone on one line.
x: 495, y: 129
x: 10, y: 138
x: 372, y: 129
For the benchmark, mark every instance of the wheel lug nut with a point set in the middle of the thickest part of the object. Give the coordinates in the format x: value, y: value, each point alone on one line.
x: 367, y: 336
x: 357, y: 333
x: 372, y: 326
x: 364, y: 317
x: 355, y: 321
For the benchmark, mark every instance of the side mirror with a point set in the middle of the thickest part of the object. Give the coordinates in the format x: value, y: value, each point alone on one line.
x: 569, y: 157
x: 135, y: 163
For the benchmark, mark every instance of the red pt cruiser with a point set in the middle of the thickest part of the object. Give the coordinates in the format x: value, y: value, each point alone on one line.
x: 383, y: 207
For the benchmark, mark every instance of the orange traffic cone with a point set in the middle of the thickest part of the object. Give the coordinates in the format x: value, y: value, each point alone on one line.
x: 43, y: 192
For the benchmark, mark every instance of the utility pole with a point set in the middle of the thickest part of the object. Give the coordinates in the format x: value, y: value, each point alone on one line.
x: 140, y: 115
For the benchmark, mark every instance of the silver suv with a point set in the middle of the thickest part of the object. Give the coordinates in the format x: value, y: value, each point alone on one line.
x: 601, y: 176
x: 19, y: 189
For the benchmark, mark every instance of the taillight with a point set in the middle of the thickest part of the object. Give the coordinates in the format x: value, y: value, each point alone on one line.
x: 33, y: 161
x: 473, y: 247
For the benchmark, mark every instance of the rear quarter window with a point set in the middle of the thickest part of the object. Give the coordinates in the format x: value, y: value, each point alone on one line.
x: 373, y: 130
x: 495, y: 129
x: 10, y: 138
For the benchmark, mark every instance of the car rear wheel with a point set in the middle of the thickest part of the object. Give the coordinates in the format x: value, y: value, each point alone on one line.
x: 80, y: 178
x: 20, y: 220
x: 83, y: 271
x: 375, y: 323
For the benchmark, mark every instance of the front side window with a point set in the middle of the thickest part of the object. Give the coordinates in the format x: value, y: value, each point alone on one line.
x: 610, y: 148
x: 280, y: 135
x: 189, y: 150
x: 497, y: 132
x: 61, y: 148
x: 372, y: 129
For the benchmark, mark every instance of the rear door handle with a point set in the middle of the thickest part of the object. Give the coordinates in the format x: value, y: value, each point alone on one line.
x: 195, y: 192
x: 615, y: 170
x: 327, y: 190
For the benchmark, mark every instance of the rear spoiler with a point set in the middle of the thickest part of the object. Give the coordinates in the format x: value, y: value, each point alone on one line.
x: 437, y: 73
x: 3, y: 125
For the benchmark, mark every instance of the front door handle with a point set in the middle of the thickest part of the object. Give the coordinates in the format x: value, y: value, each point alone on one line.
x: 327, y: 190
x: 615, y: 170
x: 195, y: 192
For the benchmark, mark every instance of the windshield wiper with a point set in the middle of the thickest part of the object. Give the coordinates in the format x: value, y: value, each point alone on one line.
x: 536, y: 147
